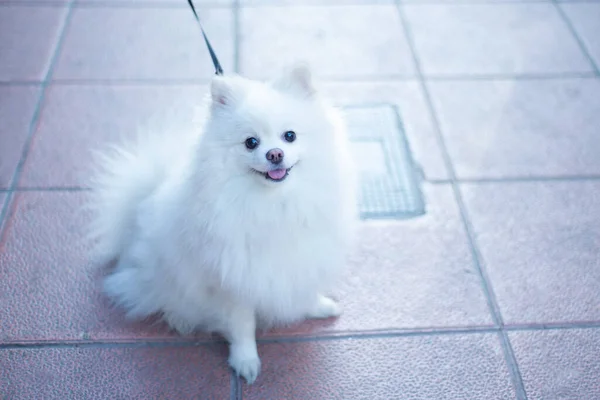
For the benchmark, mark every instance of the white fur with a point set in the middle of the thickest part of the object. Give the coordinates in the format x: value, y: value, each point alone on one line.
x: 210, y: 244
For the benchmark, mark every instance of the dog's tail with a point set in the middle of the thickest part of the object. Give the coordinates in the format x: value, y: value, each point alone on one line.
x: 126, y: 176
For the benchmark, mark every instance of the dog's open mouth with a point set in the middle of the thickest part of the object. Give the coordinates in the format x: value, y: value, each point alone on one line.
x: 275, y: 175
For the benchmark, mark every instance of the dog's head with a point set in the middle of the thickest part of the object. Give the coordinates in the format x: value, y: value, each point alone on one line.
x: 267, y: 131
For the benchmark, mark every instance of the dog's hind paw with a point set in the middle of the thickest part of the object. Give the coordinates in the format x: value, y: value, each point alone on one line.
x: 325, y: 308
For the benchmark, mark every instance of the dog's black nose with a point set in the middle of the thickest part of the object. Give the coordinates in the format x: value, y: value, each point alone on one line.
x: 275, y: 156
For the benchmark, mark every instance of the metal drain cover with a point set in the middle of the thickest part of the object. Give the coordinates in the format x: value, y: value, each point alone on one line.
x: 388, y: 180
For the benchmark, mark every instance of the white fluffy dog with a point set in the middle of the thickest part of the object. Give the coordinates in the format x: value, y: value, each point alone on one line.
x: 248, y: 222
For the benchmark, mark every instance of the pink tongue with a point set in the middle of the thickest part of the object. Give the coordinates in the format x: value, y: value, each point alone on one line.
x: 276, y: 174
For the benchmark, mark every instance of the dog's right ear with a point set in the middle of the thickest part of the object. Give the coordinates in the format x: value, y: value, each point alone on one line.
x: 297, y: 79
x: 223, y: 91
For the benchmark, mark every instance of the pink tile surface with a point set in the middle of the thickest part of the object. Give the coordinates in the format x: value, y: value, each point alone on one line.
x: 129, y: 66
x: 512, y: 38
x: 312, y: 2
x: 143, y: 43
x: 539, y: 242
x: 559, y: 364
x: 28, y: 40
x: 197, y: 3
x: 3, y: 198
x: 17, y: 105
x: 36, y: 2
x: 414, y: 273
x: 78, y: 120
x: 438, y: 367
x: 50, y: 291
x: 338, y: 41
x: 114, y: 373
x: 505, y: 128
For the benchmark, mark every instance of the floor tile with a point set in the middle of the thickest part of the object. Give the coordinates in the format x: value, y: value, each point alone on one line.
x: 17, y: 105
x: 288, y: 3
x: 416, y: 119
x: 36, y: 2
x: 78, y: 120
x: 197, y: 3
x: 525, y: 38
x: 115, y: 373
x: 29, y: 38
x: 430, y: 367
x: 539, y: 243
x: 143, y: 43
x: 344, y: 41
x: 585, y: 17
x: 560, y: 364
x: 50, y: 289
x: 429, y: 2
x: 3, y: 197
x: 408, y: 274
x: 506, y: 128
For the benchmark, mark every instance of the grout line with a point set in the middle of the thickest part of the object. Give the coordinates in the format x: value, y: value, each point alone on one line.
x: 200, y: 81
x: 20, y: 83
x: 125, y: 82
x: 466, y: 181
x: 265, y: 340
x: 517, y: 179
x: 329, y: 3
x: 4, y: 213
x: 573, y: 31
x: 262, y: 4
x: 512, y: 77
x: 240, y: 391
x: 234, y: 392
x: 324, y: 79
x: 513, y: 365
x: 149, y: 5
x: 49, y: 4
x: 450, y: 169
x: 381, y: 334
x: 47, y: 189
x: 348, y: 79
x: 548, y: 326
x: 35, y: 117
x: 357, y: 335
x: 38, y: 107
x: 468, y: 2
x: 486, y: 285
x: 89, y: 344
x: 236, y: 36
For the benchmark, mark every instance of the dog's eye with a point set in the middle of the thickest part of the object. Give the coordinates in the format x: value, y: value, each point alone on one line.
x: 289, y: 136
x: 251, y: 143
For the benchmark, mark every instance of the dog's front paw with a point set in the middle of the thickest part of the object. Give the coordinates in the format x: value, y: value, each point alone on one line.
x: 325, y: 308
x: 245, y: 362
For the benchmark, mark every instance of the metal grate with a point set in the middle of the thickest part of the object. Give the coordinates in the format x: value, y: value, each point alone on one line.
x: 388, y: 180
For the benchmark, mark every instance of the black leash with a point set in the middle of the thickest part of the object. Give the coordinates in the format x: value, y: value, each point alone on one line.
x: 215, y: 60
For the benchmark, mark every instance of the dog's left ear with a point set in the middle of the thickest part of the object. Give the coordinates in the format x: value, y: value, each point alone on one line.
x: 296, y: 79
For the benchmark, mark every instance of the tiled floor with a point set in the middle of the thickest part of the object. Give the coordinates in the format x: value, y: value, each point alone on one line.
x: 493, y: 293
